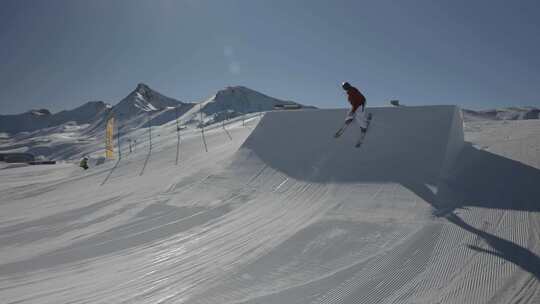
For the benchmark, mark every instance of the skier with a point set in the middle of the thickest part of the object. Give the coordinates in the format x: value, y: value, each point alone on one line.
x: 357, y: 100
x: 84, y: 163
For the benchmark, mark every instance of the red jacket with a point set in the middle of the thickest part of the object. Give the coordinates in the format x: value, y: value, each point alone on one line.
x: 356, y: 99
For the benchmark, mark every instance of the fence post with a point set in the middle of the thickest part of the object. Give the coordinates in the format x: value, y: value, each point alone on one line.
x: 177, y: 135
x: 202, y: 128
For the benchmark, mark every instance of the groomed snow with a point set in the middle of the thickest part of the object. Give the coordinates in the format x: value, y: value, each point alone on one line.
x: 285, y: 213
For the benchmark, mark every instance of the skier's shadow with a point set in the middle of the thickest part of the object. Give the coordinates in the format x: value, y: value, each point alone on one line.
x: 505, y: 249
x: 487, y: 180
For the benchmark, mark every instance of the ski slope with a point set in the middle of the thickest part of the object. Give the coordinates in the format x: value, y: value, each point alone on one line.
x: 423, y: 212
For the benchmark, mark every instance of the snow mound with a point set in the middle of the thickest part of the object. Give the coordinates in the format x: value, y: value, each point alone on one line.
x: 402, y: 144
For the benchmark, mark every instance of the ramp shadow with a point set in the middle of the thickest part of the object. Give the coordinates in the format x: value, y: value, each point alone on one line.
x: 488, y: 180
x: 479, y: 178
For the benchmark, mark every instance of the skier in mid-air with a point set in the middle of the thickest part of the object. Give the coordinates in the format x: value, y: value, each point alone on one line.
x: 357, y: 100
x: 356, y: 114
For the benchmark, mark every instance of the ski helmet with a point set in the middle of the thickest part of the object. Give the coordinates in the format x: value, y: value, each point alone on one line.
x: 346, y: 85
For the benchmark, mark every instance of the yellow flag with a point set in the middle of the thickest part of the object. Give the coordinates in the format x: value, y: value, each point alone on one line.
x: 109, y: 143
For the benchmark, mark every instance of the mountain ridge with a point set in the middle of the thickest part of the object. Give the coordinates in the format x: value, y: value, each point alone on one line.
x: 71, y: 133
x: 145, y: 106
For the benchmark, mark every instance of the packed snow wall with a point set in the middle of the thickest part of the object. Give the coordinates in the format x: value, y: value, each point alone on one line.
x: 403, y: 144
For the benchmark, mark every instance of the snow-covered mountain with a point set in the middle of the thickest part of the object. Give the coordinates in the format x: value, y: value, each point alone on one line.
x: 40, y: 119
x: 144, y: 99
x: 28, y: 121
x: 68, y: 134
x: 144, y: 106
x: 511, y: 113
x: 87, y: 113
x: 231, y: 102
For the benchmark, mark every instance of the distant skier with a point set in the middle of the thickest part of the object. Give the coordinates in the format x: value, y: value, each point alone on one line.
x: 84, y: 163
x: 357, y: 100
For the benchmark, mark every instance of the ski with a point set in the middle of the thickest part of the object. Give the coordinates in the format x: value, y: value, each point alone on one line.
x: 364, y: 132
x: 341, y: 130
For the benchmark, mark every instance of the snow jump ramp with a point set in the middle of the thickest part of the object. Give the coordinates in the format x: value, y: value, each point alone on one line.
x: 405, y: 145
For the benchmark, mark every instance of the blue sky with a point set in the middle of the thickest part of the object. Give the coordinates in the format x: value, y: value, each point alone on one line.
x: 477, y: 54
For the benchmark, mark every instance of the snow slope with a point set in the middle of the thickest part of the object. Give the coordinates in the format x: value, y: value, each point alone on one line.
x: 278, y: 211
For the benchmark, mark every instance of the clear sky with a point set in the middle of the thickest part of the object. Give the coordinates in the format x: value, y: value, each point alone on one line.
x: 475, y: 53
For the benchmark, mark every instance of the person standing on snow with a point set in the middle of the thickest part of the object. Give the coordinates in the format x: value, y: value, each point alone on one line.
x: 84, y: 163
x: 357, y: 100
